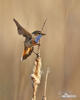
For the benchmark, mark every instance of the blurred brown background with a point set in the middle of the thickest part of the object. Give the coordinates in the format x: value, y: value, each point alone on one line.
x: 60, y: 49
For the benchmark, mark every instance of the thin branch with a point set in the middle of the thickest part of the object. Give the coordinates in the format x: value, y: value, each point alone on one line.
x: 44, y: 24
x: 44, y: 96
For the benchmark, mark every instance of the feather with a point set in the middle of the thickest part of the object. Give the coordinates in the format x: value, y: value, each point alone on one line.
x: 22, y: 31
x: 27, y: 52
x: 38, y: 38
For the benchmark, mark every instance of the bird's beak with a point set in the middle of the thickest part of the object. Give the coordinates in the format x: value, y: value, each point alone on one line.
x: 43, y: 34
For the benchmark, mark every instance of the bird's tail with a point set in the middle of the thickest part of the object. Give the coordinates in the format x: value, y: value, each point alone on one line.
x: 27, y: 52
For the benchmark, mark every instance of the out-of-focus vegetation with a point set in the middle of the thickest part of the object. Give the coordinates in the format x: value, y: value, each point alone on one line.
x: 60, y: 49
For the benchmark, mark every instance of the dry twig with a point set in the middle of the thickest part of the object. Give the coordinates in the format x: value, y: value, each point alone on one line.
x: 36, y: 76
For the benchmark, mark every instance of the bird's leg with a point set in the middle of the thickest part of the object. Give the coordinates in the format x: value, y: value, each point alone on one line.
x: 37, y: 54
x: 38, y: 44
x: 39, y: 48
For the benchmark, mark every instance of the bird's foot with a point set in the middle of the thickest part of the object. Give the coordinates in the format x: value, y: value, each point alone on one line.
x: 38, y: 55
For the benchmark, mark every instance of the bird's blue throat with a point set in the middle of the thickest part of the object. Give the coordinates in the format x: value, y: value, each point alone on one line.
x: 38, y: 38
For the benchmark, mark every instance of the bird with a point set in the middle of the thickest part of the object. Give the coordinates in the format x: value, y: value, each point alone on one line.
x: 29, y: 41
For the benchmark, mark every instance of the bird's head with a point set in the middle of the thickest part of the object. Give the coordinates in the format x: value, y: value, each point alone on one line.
x: 36, y: 33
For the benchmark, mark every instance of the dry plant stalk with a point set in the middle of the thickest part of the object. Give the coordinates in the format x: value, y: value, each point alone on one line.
x: 44, y: 96
x: 36, y: 76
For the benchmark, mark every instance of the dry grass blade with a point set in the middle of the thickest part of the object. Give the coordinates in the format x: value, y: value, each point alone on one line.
x: 44, y: 96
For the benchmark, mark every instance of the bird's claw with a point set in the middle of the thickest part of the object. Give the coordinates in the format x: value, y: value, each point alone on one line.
x: 37, y: 54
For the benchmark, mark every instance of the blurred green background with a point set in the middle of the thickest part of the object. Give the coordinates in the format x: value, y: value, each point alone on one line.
x: 60, y: 49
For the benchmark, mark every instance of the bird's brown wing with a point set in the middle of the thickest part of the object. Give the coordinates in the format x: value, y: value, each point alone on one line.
x: 22, y: 31
x: 27, y: 52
